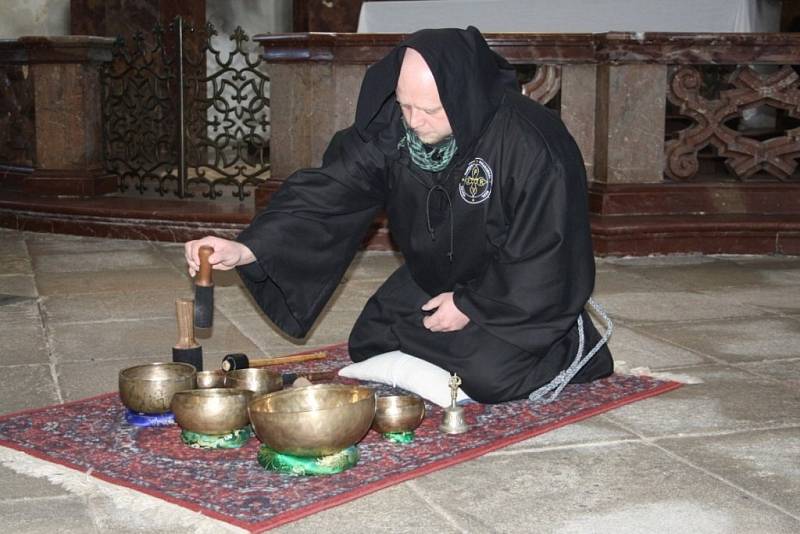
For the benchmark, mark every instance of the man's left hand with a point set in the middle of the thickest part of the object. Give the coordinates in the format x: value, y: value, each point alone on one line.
x: 447, y: 317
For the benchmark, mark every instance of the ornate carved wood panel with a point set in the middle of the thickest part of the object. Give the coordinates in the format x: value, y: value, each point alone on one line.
x: 744, y: 155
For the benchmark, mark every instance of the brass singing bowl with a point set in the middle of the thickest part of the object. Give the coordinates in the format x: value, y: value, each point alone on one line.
x: 149, y: 388
x: 211, y: 411
x: 211, y: 379
x: 314, y: 420
x: 255, y: 379
x: 398, y: 413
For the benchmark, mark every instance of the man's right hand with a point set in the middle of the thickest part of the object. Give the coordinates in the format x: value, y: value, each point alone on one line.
x: 227, y: 254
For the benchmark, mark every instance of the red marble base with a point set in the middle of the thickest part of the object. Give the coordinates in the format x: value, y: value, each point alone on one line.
x: 140, y: 218
x: 176, y: 220
x: 710, y: 218
x: 70, y: 183
x: 708, y: 234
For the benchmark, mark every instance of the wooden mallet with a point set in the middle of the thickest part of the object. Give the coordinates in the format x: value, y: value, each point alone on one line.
x: 187, y: 350
x: 204, y: 290
x: 241, y: 361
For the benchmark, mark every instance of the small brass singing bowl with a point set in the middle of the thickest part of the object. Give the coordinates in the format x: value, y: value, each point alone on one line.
x: 255, y: 379
x: 315, y: 421
x: 213, y: 411
x: 211, y: 379
x: 149, y: 388
x: 398, y: 413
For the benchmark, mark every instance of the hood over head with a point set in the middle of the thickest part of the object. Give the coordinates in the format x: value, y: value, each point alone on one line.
x: 470, y: 77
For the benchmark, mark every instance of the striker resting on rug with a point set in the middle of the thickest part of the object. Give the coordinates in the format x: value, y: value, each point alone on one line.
x: 485, y: 193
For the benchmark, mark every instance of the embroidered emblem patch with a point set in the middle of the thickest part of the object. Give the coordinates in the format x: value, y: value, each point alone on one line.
x: 476, y: 184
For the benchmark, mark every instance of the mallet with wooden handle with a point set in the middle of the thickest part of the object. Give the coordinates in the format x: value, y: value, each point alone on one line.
x: 187, y: 350
x: 241, y: 361
x: 204, y: 290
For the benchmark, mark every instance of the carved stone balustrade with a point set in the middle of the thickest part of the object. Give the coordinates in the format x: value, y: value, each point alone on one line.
x: 661, y: 120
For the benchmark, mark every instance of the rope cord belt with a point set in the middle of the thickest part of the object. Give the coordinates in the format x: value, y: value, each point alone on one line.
x: 563, y: 378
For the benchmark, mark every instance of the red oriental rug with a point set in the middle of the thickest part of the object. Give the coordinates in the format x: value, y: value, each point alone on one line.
x: 91, y: 436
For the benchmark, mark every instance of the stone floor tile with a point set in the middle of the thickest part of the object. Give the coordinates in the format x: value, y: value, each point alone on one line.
x: 621, y: 488
x: 26, y: 386
x: 18, y: 284
x: 615, y: 280
x: 45, y: 516
x: 234, y: 301
x: 764, y: 463
x: 48, y: 244
x: 659, y: 306
x: 22, y: 338
x: 333, y: 327
x: 12, y: 245
x: 735, y: 340
x: 145, y: 338
x: 11, y: 265
x: 18, y: 312
x: 784, y: 300
x: 728, y: 400
x: 119, y: 260
x: 120, y: 281
x: 640, y: 350
x: 786, y: 371
x: 657, y: 260
x: 352, y: 295
x: 758, y: 260
x: 716, y: 275
x: 592, y: 430
x: 396, y: 509
x: 14, y: 485
x: 113, y: 306
x: 373, y: 265
x: 110, y: 518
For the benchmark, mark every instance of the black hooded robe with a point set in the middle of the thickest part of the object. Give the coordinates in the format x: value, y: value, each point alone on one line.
x: 504, y: 226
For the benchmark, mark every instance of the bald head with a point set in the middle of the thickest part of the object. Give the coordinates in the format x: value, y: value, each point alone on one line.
x: 419, y: 100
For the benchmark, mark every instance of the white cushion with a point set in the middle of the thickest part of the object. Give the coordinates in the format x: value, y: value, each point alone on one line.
x: 402, y: 370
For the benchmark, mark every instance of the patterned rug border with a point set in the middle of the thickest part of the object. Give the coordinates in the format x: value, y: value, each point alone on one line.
x: 288, y: 517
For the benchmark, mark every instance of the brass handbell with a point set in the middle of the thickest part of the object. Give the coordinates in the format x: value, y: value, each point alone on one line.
x: 453, y: 421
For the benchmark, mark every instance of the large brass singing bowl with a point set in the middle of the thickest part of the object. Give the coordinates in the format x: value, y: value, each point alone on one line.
x: 212, y: 411
x: 211, y: 379
x: 315, y: 420
x: 398, y: 413
x: 149, y: 388
x: 255, y: 379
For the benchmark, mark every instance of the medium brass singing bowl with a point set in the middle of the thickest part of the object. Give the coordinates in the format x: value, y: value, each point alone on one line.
x: 314, y: 420
x: 212, y: 411
x: 398, y: 413
x: 211, y: 379
x: 255, y: 379
x: 149, y: 388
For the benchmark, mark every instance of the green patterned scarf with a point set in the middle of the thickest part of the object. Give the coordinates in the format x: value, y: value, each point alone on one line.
x: 430, y: 158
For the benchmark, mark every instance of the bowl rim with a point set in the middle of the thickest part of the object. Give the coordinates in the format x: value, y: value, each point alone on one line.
x: 214, y: 392
x: 290, y: 391
x: 123, y: 375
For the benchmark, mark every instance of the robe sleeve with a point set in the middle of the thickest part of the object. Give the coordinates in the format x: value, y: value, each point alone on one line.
x: 308, y: 234
x: 542, y: 272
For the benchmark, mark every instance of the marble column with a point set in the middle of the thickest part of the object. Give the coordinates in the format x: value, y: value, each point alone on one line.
x: 314, y: 100
x: 68, y: 141
x: 629, y: 133
x: 578, y: 101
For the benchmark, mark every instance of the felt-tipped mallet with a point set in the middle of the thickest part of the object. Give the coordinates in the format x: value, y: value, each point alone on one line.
x: 204, y: 290
x: 241, y: 361
x: 187, y: 350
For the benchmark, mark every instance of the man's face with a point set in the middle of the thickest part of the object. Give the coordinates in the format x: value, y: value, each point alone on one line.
x: 419, y: 100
